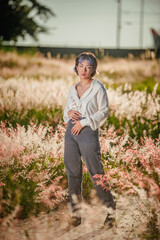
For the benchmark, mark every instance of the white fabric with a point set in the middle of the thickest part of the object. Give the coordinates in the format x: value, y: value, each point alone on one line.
x: 93, y: 105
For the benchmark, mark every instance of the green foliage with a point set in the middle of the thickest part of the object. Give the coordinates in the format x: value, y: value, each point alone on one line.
x: 22, y: 190
x: 43, y: 116
x: 87, y: 185
x: 152, y: 232
x: 9, y: 63
x: 147, y: 83
x: 59, y: 170
x: 113, y: 75
x: 137, y: 128
x: 17, y: 19
x: 30, y: 51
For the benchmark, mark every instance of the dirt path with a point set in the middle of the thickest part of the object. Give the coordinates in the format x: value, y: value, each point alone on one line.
x: 132, y: 215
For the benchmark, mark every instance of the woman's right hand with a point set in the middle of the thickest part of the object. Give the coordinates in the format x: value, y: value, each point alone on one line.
x: 74, y: 115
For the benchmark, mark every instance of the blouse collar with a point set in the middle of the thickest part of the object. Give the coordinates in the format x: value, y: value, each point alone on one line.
x: 86, y: 93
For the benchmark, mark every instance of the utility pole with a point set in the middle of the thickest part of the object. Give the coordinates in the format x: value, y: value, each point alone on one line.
x: 118, y: 23
x: 141, y: 24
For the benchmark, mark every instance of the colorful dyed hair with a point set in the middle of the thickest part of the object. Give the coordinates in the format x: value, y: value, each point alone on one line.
x: 86, y: 56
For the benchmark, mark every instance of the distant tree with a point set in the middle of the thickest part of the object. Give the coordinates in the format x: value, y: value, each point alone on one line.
x: 19, y: 18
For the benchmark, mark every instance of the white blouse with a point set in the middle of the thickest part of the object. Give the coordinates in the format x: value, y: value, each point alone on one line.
x: 93, y: 105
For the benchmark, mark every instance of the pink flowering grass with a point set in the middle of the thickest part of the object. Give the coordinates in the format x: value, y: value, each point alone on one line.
x: 32, y: 172
x: 130, y: 165
x: 30, y: 167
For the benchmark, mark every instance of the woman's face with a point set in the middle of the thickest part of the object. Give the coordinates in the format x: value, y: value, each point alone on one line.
x: 84, y: 69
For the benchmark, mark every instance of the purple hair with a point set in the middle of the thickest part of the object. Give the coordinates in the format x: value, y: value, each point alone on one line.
x: 86, y: 56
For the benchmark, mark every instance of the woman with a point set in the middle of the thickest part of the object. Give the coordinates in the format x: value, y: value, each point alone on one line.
x: 85, y: 111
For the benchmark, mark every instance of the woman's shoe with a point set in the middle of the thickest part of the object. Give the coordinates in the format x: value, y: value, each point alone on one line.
x: 75, y: 221
x: 109, y: 221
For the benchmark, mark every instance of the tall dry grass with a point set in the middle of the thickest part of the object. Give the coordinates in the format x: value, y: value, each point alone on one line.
x: 32, y: 175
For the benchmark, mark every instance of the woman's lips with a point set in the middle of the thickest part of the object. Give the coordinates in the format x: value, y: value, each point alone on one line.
x: 83, y: 74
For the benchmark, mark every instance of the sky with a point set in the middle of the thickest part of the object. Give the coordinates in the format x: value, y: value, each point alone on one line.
x: 93, y: 23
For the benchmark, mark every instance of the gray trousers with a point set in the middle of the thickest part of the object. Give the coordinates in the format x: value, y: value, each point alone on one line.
x: 85, y: 145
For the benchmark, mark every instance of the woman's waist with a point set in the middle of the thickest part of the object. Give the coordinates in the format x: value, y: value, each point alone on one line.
x: 71, y: 121
x: 86, y: 128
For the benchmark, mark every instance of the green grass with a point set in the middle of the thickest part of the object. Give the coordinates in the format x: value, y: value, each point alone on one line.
x: 152, y: 232
x: 9, y: 64
x: 51, y: 116
x: 31, y: 51
x: 147, y: 84
x: 22, y: 191
x: 137, y: 128
x: 113, y: 75
x: 87, y: 186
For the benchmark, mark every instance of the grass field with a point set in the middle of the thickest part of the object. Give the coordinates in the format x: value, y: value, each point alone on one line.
x: 33, y: 181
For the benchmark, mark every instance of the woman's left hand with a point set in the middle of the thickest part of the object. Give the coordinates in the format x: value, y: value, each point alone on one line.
x: 76, y: 128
